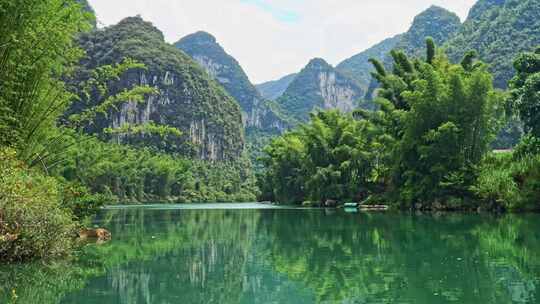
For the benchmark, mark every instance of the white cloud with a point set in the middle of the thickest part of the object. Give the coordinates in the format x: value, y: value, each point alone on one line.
x: 272, y: 38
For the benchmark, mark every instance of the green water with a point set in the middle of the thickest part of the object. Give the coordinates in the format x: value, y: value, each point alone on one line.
x: 167, y: 254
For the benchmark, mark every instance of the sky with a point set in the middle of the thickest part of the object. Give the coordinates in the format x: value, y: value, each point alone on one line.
x: 273, y: 38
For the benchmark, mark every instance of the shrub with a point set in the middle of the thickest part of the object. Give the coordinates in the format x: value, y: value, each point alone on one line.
x: 510, y: 182
x: 529, y: 145
x: 32, y: 222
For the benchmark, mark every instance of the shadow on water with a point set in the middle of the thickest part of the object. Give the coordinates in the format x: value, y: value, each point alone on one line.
x: 292, y: 256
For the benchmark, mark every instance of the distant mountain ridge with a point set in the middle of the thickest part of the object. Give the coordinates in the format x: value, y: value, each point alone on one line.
x: 358, y: 66
x: 210, y: 55
x: 319, y: 86
x: 498, y: 30
x: 435, y: 22
x: 274, y: 89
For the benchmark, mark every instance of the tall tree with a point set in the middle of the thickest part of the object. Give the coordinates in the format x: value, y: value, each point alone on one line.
x: 525, y: 91
x: 441, y: 118
x: 37, y: 49
x: 328, y: 158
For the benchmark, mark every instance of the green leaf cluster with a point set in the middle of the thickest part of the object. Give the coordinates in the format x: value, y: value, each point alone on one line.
x: 328, y: 158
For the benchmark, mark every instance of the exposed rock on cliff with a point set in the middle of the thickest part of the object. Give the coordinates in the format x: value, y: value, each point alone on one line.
x: 320, y: 86
x: 189, y: 99
x: 224, y: 68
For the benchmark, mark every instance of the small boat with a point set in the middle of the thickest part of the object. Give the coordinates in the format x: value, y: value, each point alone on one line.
x: 351, y: 205
x: 374, y: 207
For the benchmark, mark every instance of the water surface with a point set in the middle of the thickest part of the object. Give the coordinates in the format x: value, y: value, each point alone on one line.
x: 188, y: 254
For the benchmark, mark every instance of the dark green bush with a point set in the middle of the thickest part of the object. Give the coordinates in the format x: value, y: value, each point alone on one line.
x: 33, y: 224
x: 509, y: 182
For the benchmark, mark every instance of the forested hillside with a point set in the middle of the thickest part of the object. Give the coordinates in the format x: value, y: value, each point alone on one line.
x: 188, y: 98
x: 498, y: 30
x: 435, y: 22
x: 258, y: 113
x: 427, y: 146
x: 104, y: 116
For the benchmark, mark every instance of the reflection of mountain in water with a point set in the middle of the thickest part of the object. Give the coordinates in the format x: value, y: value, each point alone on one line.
x: 297, y: 256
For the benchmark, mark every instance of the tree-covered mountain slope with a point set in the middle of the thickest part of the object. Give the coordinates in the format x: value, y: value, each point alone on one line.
x: 319, y: 86
x: 358, y: 66
x: 498, y: 30
x: 274, y: 89
x: 224, y: 68
x: 188, y: 99
x: 206, y: 51
x: 435, y: 22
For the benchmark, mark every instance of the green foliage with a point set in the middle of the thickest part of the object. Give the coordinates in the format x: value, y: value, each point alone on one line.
x: 189, y: 100
x: 434, y: 124
x: 442, y: 118
x: 36, y: 50
x: 327, y: 158
x: 122, y: 174
x: 498, y: 30
x: 529, y: 145
x: 33, y: 223
x: 96, y: 90
x: 525, y: 91
x: 509, y: 182
x: 146, y: 128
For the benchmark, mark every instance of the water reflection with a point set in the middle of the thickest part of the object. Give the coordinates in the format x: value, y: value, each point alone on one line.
x: 294, y: 256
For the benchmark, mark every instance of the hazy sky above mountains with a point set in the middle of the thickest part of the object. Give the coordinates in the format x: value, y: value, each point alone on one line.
x: 272, y: 38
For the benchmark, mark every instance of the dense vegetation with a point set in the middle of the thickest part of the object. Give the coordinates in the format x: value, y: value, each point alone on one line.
x: 425, y: 147
x: 188, y: 98
x: 33, y: 220
x: 513, y: 180
x: 327, y: 158
x: 53, y: 175
x: 499, y: 30
x: 129, y: 175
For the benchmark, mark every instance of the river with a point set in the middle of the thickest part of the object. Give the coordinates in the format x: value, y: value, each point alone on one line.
x: 255, y: 253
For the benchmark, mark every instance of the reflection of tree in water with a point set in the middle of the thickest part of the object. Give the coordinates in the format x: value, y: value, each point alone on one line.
x: 385, y: 258
x: 196, y: 256
x: 294, y: 256
x: 512, y: 248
